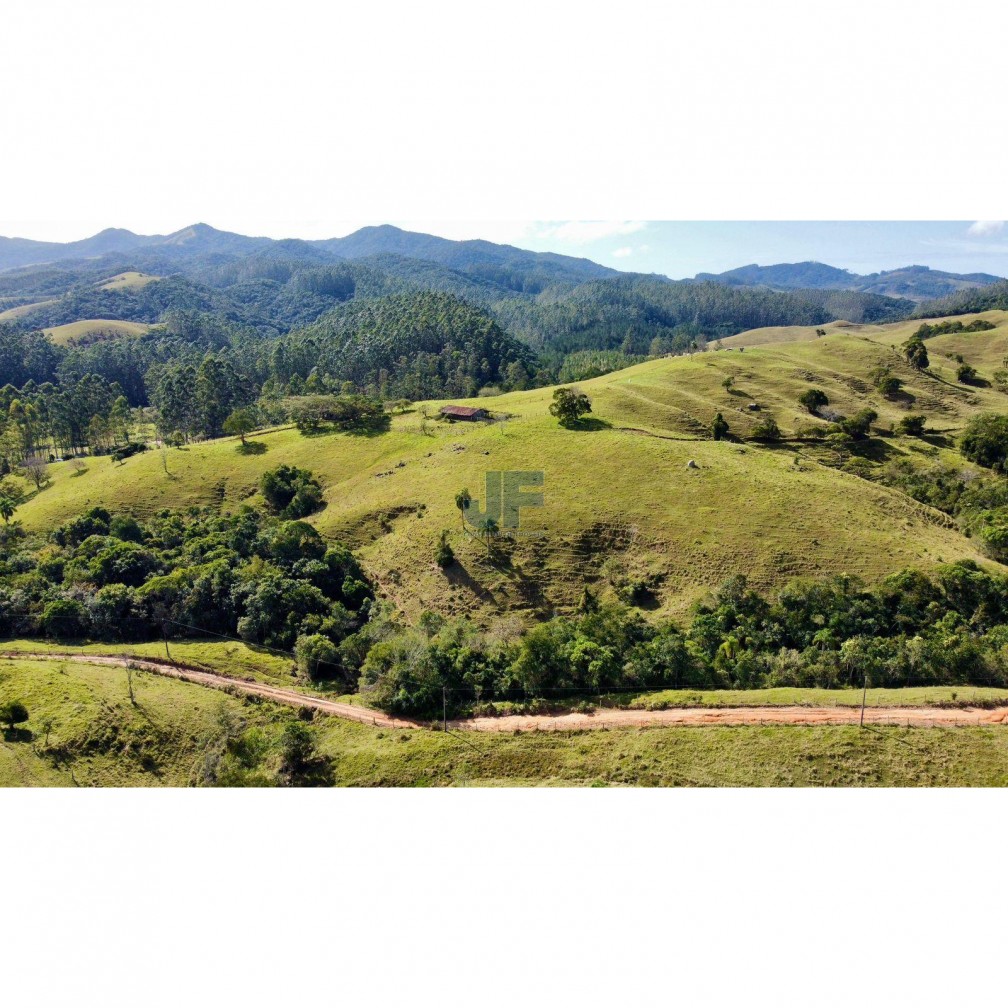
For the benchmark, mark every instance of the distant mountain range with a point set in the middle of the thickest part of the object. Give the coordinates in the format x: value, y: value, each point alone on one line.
x: 208, y: 246
x: 203, y: 242
x: 557, y: 305
x: 915, y: 283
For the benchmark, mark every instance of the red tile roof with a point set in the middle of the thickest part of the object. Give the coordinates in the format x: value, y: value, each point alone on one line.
x: 462, y: 411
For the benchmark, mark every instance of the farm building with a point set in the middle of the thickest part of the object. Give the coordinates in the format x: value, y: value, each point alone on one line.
x: 464, y: 413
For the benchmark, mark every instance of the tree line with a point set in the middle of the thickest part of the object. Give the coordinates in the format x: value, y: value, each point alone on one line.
x: 255, y: 574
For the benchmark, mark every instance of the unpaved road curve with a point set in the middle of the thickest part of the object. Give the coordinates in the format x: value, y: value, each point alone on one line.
x: 276, y: 693
x: 920, y: 717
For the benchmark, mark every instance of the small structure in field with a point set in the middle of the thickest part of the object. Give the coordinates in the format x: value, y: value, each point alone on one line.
x: 464, y: 413
x: 691, y: 464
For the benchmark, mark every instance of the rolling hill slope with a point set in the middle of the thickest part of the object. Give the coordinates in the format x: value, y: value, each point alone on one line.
x: 621, y: 505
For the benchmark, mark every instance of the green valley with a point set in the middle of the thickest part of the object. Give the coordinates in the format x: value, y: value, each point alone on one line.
x: 751, y: 496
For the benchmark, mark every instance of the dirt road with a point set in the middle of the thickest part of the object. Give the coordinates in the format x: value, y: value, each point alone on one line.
x: 279, y: 694
x: 921, y: 717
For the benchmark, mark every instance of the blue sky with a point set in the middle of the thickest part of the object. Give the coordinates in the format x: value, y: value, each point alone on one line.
x: 684, y: 248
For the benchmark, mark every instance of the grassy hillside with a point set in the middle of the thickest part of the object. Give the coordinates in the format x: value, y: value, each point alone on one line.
x: 621, y: 504
x: 85, y: 731
x: 783, y: 334
x: 11, y: 314
x: 132, y: 278
x: 96, y: 736
x: 840, y: 363
x: 74, y: 332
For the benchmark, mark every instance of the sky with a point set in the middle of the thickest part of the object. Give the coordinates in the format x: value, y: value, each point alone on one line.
x: 673, y: 248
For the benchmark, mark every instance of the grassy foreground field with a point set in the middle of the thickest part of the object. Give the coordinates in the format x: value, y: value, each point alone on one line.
x: 230, y: 658
x: 621, y: 503
x: 84, y: 731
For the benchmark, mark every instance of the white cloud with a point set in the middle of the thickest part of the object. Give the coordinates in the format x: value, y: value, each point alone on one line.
x: 983, y: 228
x: 585, y: 232
x: 623, y: 252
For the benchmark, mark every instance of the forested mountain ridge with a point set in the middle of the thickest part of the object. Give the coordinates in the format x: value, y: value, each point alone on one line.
x: 915, y: 283
x: 481, y: 258
x: 195, y: 239
x: 203, y: 246
x: 631, y: 311
x: 202, y: 242
x: 27, y: 252
x: 993, y: 297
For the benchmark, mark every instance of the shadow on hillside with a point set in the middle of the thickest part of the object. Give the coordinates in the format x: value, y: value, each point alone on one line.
x: 252, y: 448
x: 647, y: 600
x: 786, y: 444
x: 17, y: 735
x: 937, y: 440
x: 499, y: 552
x: 876, y: 450
x: 366, y: 432
x: 588, y: 424
x: 902, y: 396
x: 458, y: 575
x: 957, y: 385
x: 144, y: 711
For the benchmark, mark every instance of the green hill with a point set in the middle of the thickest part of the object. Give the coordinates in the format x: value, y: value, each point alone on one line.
x: 88, y: 330
x: 621, y: 504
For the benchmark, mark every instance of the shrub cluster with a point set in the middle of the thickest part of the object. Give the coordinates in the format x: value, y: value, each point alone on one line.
x: 929, y: 329
x: 112, y: 577
x: 348, y: 413
x: 291, y: 492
